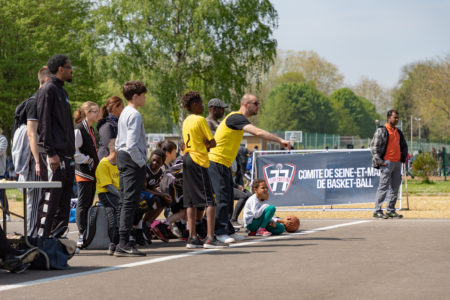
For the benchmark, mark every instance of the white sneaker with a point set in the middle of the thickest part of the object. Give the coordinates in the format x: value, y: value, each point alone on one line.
x: 225, y: 238
x: 237, y: 237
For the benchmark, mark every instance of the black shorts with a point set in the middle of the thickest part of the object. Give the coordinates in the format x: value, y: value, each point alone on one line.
x: 197, y: 188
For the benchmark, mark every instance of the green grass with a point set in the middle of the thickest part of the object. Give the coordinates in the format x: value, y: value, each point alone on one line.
x: 12, y: 194
x: 416, y: 186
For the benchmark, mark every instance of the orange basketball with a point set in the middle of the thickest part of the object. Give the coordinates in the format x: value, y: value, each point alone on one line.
x: 291, y: 223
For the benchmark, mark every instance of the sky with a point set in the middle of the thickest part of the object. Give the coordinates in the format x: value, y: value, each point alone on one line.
x: 370, y: 38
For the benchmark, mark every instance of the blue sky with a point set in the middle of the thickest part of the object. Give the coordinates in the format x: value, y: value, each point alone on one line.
x: 373, y: 38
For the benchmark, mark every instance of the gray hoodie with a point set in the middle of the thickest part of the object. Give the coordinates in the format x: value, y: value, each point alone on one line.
x: 3, y: 147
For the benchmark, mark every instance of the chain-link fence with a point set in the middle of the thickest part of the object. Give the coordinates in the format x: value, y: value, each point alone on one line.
x: 311, y: 140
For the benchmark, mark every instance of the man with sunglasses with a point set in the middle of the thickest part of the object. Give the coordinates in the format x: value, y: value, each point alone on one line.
x: 56, y: 147
x: 228, y: 138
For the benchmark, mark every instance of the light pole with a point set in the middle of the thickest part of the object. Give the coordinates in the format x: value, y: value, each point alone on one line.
x: 420, y: 140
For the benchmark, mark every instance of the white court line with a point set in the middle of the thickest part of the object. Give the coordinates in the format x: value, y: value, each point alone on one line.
x: 172, y: 257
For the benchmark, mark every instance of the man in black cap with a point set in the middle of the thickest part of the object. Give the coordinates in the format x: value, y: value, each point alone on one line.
x: 216, y: 109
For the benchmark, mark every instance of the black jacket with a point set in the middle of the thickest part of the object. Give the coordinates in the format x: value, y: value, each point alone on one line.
x: 87, y: 170
x: 56, y: 135
x: 379, y: 144
x: 107, y: 130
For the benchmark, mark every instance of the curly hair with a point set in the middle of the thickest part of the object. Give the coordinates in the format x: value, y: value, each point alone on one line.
x: 189, y: 98
x: 56, y: 61
x: 159, y: 153
x: 133, y: 87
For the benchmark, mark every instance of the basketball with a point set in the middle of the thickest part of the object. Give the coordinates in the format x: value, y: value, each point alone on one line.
x: 291, y: 223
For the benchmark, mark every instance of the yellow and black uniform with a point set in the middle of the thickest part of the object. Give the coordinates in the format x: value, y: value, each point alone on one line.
x: 106, y: 174
x: 228, y: 139
x: 197, y: 189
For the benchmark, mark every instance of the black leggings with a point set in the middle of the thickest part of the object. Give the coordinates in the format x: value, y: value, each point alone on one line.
x: 86, y: 193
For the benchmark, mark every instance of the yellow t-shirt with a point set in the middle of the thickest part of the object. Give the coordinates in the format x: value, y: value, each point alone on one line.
x: 195, y: 130
x: 106, y: 174
x: 228, y: 138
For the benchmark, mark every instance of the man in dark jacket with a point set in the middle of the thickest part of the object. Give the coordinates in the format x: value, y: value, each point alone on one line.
x: 389, y: 150
x: 56, y: 146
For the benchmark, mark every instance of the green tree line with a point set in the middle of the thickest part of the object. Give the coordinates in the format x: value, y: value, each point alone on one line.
x: 221, y: 48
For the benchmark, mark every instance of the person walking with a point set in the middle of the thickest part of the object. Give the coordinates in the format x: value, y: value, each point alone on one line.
x: 228, y: 138
x: 389, y: 150
x: 56, y: 147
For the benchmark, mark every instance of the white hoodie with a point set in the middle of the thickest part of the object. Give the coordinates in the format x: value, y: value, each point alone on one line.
x: 254, y: 208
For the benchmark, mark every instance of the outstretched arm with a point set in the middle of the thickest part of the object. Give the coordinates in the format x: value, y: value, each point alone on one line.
x: 265, y: 135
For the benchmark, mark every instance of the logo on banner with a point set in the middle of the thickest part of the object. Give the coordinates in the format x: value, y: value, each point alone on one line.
x: 279, y: 177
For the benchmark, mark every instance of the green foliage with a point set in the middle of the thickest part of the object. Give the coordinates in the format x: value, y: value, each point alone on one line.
x: 298, y: 106
x: 30, y: 33
x: 424, y: 165
x: 356, y: 115
x: 215, y: 46
x: 154, y: 121
x: 425, y: 93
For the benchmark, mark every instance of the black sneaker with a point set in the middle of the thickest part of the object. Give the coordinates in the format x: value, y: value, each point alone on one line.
x: 139, y: 237
x: 213, y: 243
x: 111, y: 249
x: 193, y: 243
x: 380, y: 215
x: 128, y: 251
x: 393, y: 215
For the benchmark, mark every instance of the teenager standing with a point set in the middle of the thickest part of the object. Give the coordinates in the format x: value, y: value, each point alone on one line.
x: 131, y: 149
x: 86, y: 162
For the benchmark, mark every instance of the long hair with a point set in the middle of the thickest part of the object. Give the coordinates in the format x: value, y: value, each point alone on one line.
x: 80, y: 114
x: 111, y: 103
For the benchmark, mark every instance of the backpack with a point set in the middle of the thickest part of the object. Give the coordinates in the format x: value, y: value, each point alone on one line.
x: 172, y: 180
x: 54, y: 253
x: 100, y: 228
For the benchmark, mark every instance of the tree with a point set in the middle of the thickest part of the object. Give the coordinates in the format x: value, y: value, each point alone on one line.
x: 32, y: 31
x: 425, y: 93
x: 379, y: 96
x: 297, y: 106
x: 356, y: 115
x: 215, y: 46
x: 315, y: 70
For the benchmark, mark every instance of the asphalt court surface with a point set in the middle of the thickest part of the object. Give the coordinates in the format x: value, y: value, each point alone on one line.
x: 326, y: 259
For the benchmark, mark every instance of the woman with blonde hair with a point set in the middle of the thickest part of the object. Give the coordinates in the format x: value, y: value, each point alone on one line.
x: 107, y: 126
x: 86, y: 162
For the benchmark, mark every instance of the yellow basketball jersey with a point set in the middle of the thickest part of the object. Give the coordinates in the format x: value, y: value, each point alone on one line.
x: 195, y: 130
x: 228, y: 141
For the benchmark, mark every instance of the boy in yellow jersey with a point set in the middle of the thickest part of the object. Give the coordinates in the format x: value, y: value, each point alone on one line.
x: 228, y: 138
x: 197, y: 188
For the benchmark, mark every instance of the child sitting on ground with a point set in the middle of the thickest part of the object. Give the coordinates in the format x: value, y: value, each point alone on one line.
x: 153, y: 200
x: 258, y: 215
